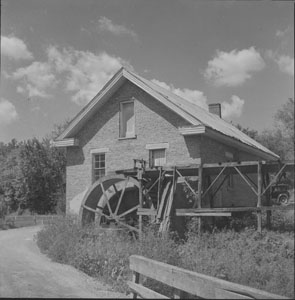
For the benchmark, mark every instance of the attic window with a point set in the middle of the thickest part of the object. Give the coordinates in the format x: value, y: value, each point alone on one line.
x: 127, y: 120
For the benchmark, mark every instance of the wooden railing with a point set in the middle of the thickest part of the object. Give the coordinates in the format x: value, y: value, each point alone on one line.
x: 187, y: 283
x: 28, y: 220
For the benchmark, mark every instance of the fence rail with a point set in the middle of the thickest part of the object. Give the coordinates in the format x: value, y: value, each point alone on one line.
x: 187, y: 283
x: 22, y: 221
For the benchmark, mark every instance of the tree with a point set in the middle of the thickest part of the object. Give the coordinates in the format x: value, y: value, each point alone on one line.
x: 42, y: 171
x: 252, y: 133
x: 280, y: 139
x: 32, y: 175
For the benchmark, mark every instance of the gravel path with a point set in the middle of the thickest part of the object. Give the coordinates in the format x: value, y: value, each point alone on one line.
x: 25, y: 272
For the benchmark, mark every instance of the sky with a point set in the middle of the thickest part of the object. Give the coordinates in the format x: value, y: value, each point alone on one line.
x: 56, y: 55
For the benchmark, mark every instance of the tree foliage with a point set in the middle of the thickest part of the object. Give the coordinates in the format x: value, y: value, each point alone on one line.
x: 280, y: 138
x: 41, y: 169
x: 32, y: 176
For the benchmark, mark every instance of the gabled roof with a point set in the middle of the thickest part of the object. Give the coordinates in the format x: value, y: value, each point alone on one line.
x: 194, y: 114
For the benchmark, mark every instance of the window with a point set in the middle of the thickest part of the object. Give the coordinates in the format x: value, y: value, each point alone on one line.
x: 127, y: 119
x: 157, y: 157
x: 99, y: 166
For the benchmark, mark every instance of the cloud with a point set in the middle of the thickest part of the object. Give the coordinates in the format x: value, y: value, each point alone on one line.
x: 232, y: 109
x: 85, y: 72
x: 284, y: 32
x: 233, y: 68
x: 106, y: 24
x: 35, y: 79
x: 8, y: 113
x: 194, y: 96
x: 15, y: 48
x: 286, y: 64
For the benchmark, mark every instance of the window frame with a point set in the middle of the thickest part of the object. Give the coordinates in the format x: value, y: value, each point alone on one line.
x: 94, y: 168
x: 151, y: 165
x: 121, y: 120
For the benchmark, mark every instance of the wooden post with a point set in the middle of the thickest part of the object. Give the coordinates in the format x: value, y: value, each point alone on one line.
x: 135, y: 279
x: 259, y: 185
x: 268, y: 202
x: 139, y: 173
x: 199, y: 203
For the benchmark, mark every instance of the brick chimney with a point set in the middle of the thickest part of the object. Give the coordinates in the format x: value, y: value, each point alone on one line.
x: 215, y: 108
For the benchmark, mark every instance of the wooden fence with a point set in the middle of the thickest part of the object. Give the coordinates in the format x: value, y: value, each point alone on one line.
x: 28, y: 220
x: 187, y: 283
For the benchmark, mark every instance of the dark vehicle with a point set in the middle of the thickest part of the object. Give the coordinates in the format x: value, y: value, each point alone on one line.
x: 280, y: 193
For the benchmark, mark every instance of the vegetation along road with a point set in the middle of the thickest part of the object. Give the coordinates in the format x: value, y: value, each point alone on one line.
x: 25, y: 272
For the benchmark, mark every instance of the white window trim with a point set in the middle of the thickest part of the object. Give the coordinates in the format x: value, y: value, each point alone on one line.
x: 93, y: 161
x: 120, y: 121
x: 99, y: 150
x: 157, y: 146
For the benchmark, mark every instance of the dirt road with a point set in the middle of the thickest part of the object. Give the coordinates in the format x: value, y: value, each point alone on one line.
x: 25, y: 272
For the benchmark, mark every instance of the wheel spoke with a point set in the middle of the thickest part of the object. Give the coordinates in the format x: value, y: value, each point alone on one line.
x: 114, y: 186
x: 128, y: 211
x: 121, y: 196
x: 97, y: 212
x: 128, y: 226
x: 107, y: 199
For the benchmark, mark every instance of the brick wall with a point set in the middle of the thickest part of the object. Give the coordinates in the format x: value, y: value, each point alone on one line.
x: 154, y: 123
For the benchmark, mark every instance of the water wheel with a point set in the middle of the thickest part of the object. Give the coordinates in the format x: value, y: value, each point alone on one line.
x: 112, y: 201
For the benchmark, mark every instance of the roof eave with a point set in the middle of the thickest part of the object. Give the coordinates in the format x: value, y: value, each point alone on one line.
x: 236, y: 143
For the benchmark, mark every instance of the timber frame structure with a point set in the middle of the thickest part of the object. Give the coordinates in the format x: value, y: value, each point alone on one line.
x: 162, y: 209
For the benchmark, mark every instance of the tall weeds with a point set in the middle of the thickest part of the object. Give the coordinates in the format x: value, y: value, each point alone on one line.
x: 262, y: 261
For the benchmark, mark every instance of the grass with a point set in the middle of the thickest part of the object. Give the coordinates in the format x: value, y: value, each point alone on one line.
x: 263, y: 261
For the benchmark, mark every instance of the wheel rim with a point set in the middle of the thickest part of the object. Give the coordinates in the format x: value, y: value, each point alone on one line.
x: 112, y: 201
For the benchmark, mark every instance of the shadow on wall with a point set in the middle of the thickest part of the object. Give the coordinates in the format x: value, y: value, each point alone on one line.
x: 193, y: 146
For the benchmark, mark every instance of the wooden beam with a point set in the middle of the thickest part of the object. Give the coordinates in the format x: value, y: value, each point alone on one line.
x: 220, y: 185
x: 146, y: 212
x: 144, y: 292
x: 268, y: 200
x: 203, y: 214
x: 218, y: 209
x: 245, y: 179
x: 164, y: 227
x: 197, y: 284
x: 71, y: 142
x: 121, y: 195
x: 200, y: 190
x: 259, y: 188
x: 230, y: 164
x: 213, y: 182
x: 163, y: 200
x: 250, y: 179
x: 189, y: 186
x: 274, y: 179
